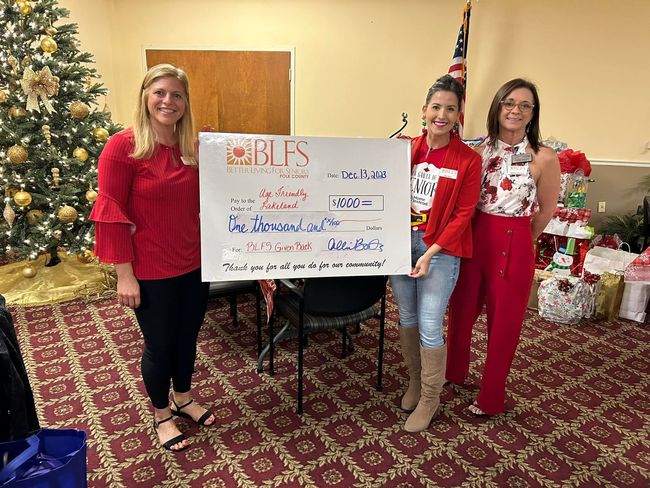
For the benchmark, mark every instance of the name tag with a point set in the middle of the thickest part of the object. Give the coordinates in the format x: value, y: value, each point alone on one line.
x: 522, y: 158
x: 452, y: 174
x: 518, y: 170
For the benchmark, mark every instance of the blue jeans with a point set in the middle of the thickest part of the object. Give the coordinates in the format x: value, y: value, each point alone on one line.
x: 422, y: 301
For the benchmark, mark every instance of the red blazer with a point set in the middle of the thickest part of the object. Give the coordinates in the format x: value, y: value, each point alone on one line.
x: 455, y: 199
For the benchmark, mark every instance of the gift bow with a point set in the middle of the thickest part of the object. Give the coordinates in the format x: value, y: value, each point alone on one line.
x: 39, y: 85
x: 590, y: 278
x: 564, y: 285
x: 571, y: 161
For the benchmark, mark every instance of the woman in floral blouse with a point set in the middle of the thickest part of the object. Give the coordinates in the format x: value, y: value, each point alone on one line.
x: 519, y: 188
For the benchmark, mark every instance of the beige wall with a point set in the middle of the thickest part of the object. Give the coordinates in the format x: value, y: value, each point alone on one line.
x: 619, y: 186
x: 360, y: 63
x: 96, y: 36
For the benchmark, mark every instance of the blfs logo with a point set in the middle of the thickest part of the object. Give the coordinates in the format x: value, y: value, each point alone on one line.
x: 267, y: 152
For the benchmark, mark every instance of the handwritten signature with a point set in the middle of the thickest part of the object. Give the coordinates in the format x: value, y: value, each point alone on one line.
x: 358, y: 244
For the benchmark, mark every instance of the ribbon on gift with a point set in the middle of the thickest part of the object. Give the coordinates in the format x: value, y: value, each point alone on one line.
x: 39, y: 85
x: 268, y: 288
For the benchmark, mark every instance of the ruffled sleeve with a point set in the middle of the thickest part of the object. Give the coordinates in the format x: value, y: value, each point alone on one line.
x: 113, y: 227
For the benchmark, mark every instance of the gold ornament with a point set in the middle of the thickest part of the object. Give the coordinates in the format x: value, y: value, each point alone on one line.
x: 22, y: 198
x: 55, y: 176
x: 47, y: 134
x: 13, y: 62
x: 101, y: 134
x: 9, y: 214
x: 17, y: 154
x: 16, y: 112
x: 86, y: 257
x: 67, y: 214
x: 41, y: 85
x: 79, y: 110
x: 29, y: 271
x: 80, y: 153
x: 33, y: 216
x: 51, y: 31
x: 3, y: 96
x: 57, y: 234
x: 48, y: 45
x: 25, y: 8
x: 27, y: 60
x: 91, y: 195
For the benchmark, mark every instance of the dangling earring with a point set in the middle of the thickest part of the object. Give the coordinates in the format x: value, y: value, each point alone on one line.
x: 424, y: 125
x: 456, y: 127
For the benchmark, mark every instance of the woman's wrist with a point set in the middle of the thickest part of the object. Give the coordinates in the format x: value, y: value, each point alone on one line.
x: 124, y: 270
x: 433, y: 250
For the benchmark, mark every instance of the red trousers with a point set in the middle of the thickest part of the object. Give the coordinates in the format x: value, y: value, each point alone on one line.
x: 499, y: 275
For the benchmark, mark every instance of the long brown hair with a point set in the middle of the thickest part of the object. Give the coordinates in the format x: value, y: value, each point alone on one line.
x: 532, y: 130
x: 145, y: 139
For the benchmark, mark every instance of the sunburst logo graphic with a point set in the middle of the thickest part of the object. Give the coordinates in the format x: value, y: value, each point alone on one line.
x: 239, y: 152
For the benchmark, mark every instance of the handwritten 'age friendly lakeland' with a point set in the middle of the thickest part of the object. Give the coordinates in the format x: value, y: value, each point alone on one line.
x: 301, y: 207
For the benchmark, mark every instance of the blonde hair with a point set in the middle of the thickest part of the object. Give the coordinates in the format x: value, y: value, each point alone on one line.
x: 145, y: 138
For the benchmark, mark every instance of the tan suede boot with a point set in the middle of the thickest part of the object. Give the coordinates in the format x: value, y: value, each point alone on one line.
x: 410, y: 340
x: 432, y: 377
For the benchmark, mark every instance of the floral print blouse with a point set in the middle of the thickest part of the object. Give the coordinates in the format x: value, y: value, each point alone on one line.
x: 507, y: 187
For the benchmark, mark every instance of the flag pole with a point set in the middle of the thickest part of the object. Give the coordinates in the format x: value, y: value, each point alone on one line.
x: 468, y: 7
x: 458, y: 67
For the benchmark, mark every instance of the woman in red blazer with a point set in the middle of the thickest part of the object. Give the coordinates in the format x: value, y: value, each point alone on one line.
x: 445, y: 181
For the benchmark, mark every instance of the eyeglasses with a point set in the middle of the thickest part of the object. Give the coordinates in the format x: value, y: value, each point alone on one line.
x: 524, y: 107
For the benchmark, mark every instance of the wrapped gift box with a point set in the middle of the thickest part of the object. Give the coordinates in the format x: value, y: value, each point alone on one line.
x: 572, y: 215
x: 548, y: 244
x: 537, y: 280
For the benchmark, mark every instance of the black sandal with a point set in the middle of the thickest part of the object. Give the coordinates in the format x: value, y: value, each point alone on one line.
x: 171, y: 442
x: 201, y: 421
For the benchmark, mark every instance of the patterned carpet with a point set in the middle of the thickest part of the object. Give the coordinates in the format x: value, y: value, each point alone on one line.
x: 578, y: 408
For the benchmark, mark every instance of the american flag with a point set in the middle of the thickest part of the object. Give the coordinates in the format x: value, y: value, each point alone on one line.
x: 458, y: 68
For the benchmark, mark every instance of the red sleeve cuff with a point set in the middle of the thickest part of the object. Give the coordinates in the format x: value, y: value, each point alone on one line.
x: 108, y: 211
x: 113, y: 242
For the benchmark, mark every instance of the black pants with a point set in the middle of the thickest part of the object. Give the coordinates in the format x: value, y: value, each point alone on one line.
x: 170, y: 315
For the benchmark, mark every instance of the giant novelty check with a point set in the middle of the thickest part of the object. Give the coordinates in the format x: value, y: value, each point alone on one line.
x: 297, y: 207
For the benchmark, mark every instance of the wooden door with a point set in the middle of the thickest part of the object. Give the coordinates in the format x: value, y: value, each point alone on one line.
x: 245, y: 92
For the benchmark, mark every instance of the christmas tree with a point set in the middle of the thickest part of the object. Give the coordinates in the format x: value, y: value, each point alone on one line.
x: 51, y: 135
